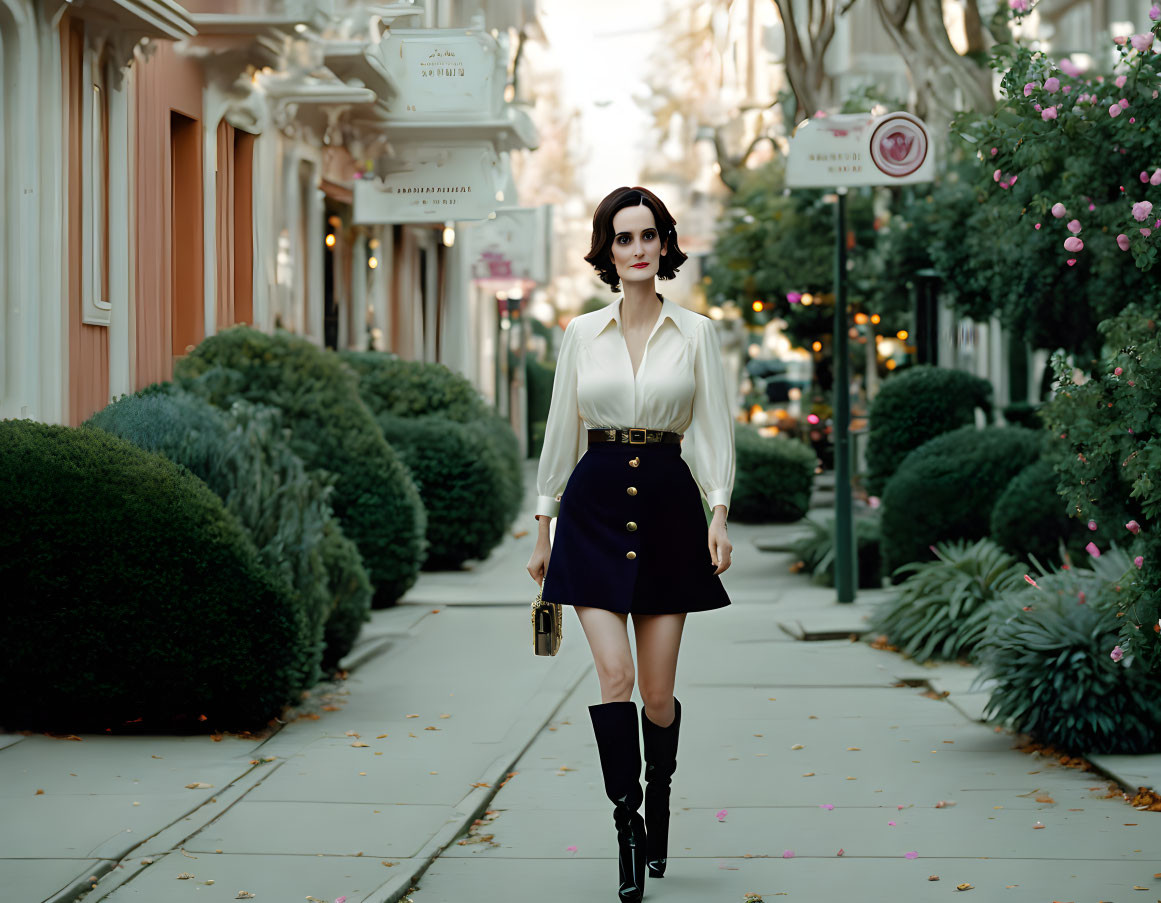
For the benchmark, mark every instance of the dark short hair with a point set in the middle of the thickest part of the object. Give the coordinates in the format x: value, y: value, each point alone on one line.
x: 603, y: 234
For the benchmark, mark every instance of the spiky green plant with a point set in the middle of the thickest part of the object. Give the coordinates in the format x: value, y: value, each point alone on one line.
x: 941, y: 610
x: 1057, y: 673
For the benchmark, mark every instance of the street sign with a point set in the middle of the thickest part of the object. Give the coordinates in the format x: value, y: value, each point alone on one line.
x: 853, y: 149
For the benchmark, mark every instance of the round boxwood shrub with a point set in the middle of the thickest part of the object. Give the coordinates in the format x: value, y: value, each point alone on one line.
x: 942, y: 609
x: 772, y: 479
x: 1030, y: 517
x: 132, y: 596
x: 1048, y: 652
x: 947, y: 487
x: 350, y: 594
x: 243, y: 456
x: 394, y: 387
x: 916, y: 405
x: 331, y: 429
x: 459, y: 476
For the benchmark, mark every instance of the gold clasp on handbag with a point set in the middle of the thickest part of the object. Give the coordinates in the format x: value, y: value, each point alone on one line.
x: 636, y: 429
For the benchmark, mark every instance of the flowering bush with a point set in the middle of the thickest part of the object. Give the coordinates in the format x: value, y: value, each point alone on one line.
x: 1111, y: 423
x: 1067, y: 191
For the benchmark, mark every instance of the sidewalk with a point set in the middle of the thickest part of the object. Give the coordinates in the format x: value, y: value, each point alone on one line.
x: 312, y: 814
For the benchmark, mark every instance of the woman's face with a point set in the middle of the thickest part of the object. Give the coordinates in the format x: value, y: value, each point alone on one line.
x: 637, y: 248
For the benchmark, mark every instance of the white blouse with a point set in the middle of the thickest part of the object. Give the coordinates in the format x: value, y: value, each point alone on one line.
x: 680, y: 386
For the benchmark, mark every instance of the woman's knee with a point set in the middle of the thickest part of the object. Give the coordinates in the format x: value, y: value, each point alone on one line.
x: 609, y: 641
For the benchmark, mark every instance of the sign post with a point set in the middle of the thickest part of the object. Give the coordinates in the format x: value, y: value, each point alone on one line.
x: 843, y: 151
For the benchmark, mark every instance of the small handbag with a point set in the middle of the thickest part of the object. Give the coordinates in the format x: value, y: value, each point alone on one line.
x: 547, y: 618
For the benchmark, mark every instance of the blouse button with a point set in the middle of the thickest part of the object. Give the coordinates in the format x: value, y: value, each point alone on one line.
x: 630, y: 555
x: 633, y: 462
x: 632, y: 490
x: 631, y: 526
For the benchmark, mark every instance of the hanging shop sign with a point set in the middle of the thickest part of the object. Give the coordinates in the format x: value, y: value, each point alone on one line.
x: 853, y: 149
x: 513, y: 247
x: 442, y: 71
x: 430, y: 183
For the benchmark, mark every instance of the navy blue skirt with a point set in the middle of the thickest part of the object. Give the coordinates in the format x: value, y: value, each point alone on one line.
x: 632, y: 537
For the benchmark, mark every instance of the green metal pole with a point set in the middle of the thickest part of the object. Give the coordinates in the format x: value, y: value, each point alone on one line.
x: 843, y: 526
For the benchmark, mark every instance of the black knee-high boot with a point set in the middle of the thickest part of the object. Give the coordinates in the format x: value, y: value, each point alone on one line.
x: 660, y: 764
x: 619, y: 747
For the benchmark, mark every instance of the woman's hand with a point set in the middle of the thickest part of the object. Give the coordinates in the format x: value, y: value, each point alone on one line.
x: 720, y: 547
x: 538, y: 563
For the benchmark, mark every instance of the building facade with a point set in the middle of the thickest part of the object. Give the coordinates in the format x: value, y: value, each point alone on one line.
x: 167, y: 171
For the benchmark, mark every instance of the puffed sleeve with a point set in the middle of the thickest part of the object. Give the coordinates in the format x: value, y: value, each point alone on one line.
x: 562, y: 432
x: 708, y: 446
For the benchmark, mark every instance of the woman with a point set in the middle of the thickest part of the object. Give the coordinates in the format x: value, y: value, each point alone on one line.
x: 631, y: 538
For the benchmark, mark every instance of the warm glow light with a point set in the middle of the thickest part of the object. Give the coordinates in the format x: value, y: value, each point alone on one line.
x: 755, y: 350
x: 795, y: 393
x: 891, y: 363
x: 372, y: 262
x: 902, y: 335
x: 330, y: 239
x: 875, y: 318
x: 861, y: 318
x: 373, y: 244
x: 807, y: 299
x: 757, y: 305
x: 449, y: 235
x: 817, y: 346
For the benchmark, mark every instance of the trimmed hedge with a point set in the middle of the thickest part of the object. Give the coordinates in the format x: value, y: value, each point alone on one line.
x: 947, y: 487
x: 131, y: 595
x: 244, y: 458
x: 915, y: 405
x: 1030, y: 517
x: 772, y: 479
x: 331, y: 429
x: 392, y: 387
x: 460, y: 478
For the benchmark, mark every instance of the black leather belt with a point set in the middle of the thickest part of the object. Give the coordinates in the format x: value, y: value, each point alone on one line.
x: 633, y: 436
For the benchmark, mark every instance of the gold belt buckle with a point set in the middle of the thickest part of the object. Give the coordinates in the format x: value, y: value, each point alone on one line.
x: 636, y: 429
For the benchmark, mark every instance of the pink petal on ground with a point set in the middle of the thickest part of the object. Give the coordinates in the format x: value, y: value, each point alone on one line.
x: 827, y: 806
x: 1033, y: 582
x: 840, y: 852
x: 891, y: 823
x: 720, y: 815
x: 788, y: 854
x: 912, y: 855
x: 571, y: 849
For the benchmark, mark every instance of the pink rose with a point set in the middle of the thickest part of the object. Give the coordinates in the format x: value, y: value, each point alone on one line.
x: 1115, y: 110
x: 1133, y: 527
x: 1146, y: 232
x: 1124, y: 102
x: 1155, y: 179
x: 1052, y: 84
x: 1123, y: 241
x: 1049, y: 113
x: 1029, y: 87
x: 1073, y: 244
x: 1092, y: 549
x: 996, y: 176
x: 1139, y: 561
x: 1117, y: 654
x: 1155, y: 12
x: 1058, y: 210
x: 1092, y: 525
x: 1142, y: 42
x: 1119, y: 81
x: 1069, y: 68
x: 1118, y: 371
x: 1141, y: 210
x: 1074, y: 226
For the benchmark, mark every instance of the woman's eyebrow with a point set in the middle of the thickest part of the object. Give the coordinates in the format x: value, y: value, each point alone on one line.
x: 630, y: 232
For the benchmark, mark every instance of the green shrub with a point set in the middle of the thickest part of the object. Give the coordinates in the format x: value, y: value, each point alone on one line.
x: 1023, y: 413
x: 393, y: 387
x: 1048, y: 650
x: 331, y: 429
x: 914, y: 406
x: 773, y: 477
x: 350, y: 594
x: 947, y: 487
x: 243, y: 456
x: 1109, y: 474
x: 460, y: 478
x: 942, y: 608
x: 816, y: 551
x: 1031, y: 519
x: 133, y: 595
x: 540, y: 378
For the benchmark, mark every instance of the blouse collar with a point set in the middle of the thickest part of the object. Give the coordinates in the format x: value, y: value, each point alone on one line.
x: 608, y: 313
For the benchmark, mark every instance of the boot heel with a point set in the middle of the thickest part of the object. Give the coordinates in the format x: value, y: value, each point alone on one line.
x: 660, y: 764
x: 619, y: 748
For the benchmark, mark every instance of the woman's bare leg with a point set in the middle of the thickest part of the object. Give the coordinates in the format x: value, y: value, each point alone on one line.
x: 608, y: 638
x: 658, y: 643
